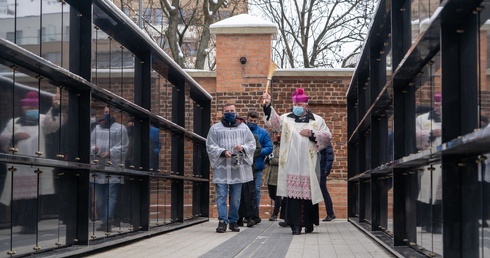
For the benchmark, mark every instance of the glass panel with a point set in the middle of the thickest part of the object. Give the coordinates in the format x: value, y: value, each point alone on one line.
x: 484, y: 178
x: 160, y: 202
x: 105, y: 193
x: 155, y: 148
x: 189, y: 110
x: 113, y: 65
x: 29, y: 101
x: 109, y: 146
x: 49, y: 209
x: 163, y: 100
x: 484, y: 90
x: 189, y: 158
x: 389, y: 183
x: 124, y: 205
x: 429, y: 208
x: 428, y: 121
x: 28, y: 26
x: 109, y: 138
x: 23, y: 203
x: 54, y: 114
x: 166, y: 152
x: 53, y: 32
x: 188, y: 200
x: 484, y: 105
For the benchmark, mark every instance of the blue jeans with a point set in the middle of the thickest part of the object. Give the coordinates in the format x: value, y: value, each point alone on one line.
x: 258, y: 184
x: 106, y: 195
x: 221, y: 196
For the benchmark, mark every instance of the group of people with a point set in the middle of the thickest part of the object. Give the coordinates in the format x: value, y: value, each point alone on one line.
x: 298, y: 163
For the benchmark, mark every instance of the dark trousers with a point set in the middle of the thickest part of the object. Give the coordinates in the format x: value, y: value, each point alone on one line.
x: 248, y: 203
x: 326, y: 195
x: 302, y: 213
x: 277, y: 199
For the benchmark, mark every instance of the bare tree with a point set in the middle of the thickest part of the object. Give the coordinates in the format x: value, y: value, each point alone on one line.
x: 313, y: 32
x: 183, y: 31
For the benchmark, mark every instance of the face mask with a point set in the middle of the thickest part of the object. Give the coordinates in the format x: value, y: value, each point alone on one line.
x: 230, y: 117
x: 252, y: 126
x: 32, y: 114
x: 298, y: 111
x: 107, y: 120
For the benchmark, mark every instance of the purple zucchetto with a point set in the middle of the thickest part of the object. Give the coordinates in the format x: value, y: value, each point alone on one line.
x: 31, y: 100
x: 437, y: 97
x: 299, y: 96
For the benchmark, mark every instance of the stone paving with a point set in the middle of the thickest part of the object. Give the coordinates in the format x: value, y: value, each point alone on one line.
x: 338, y: 238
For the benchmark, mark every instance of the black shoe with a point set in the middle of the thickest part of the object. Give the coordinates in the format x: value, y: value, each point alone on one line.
x: 296, y: 230
x: 234, y: 227
x: 104, y: 227
x: 250, y: 223
x: 309, y: 229
x: 283, y: 224
x: 329, y: 218
x: 258, y: 220
x: 221, y: 227
x: 240, y: 223
x: 273, y: 218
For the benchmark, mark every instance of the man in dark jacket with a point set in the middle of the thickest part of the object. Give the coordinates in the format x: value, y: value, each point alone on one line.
x: 266, y: 144
x: 326, y: 162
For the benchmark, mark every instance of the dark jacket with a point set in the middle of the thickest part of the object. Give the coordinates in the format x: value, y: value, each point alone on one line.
x: 265, y: 143
x: 326, y: 160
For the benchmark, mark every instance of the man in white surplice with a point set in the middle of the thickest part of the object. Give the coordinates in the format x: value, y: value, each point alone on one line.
x: 230, y: 145
x: 303, y: 135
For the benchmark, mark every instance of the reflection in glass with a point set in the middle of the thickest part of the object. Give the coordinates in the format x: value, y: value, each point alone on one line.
x: 429, y: 208
x: 155, y: 147
x: 109, y: 145
x: 109, y: 139
x: 160, y: 195
x: 188, y: 202
x: 390, y: 202
x: 113, y: 65
x: 166, y: 151
x: 428, y: 113
x: 188, y: 155
x: 26, y: 134
x: 106, y: 209
x: 484, y: 180
x: 484, y: 90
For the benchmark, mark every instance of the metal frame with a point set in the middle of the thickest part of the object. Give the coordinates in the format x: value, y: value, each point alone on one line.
x: 149, y: 57
x: 454, y: 33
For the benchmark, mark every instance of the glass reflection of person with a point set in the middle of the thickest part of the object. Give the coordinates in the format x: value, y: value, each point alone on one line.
x: 155, y: 147
x: 26, y: 135
x: 109, y: 141
x: 428, y: 134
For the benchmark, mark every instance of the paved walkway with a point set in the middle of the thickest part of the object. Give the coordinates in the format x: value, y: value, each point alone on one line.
x: 337, y: 238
